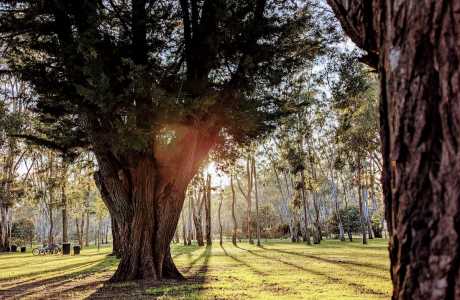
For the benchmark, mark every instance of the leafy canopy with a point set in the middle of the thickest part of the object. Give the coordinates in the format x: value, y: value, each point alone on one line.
x: 117, y: 72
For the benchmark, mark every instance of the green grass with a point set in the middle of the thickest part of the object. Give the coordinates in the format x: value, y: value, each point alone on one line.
x: 278, y: 270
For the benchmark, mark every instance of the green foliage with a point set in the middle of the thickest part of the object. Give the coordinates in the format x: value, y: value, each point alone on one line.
x: 355, y: 101
x: 23, y: 231
x: 376, y: 224
x: 100, y: 78
x: 350, y: 219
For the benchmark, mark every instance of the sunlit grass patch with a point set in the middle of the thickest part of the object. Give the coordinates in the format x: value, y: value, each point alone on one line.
x: 277, y: 270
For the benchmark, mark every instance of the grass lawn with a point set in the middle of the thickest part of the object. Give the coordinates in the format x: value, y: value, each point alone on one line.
x: 278, y: 270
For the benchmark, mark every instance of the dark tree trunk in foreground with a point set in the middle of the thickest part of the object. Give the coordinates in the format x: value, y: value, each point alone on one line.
x: 145, y: 196
x: 415, y: 46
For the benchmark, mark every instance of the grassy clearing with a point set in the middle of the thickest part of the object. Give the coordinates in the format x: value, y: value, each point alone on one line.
x: 278, y: 270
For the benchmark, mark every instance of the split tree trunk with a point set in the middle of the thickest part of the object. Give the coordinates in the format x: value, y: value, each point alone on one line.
x: 147, y: 227
x: 146, y: 194
x: 414, y: 44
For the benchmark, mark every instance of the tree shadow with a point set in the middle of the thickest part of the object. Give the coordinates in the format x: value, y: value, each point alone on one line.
x: 160, y: 289
x: 328, y: 260
x: 242, y: 262
x: 29, y: 286
x: 185, y: 250
x: 359, y: 288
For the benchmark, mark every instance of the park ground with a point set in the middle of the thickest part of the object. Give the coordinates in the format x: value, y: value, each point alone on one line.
x: 277, y: 270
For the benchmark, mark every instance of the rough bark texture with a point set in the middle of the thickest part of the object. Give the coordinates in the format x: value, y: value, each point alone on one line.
x: 415, y: 46
x: 146, y: 192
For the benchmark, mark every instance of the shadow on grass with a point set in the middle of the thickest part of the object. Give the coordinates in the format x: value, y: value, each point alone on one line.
x: 242, y: 262
x: 328, y: 260
x: 356, y: 286
x: 158, y: 289
x: 188, y: 250
x: 29, y: 286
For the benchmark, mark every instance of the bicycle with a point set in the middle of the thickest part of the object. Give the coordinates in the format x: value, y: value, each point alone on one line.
x: 51, y: 249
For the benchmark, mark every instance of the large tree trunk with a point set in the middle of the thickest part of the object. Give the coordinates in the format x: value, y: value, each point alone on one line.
x: 414, y: 45
x: 146, y: 195
x: 147, y: 227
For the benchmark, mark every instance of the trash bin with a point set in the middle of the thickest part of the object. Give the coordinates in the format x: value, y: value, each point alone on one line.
x: 23, y: 249
x: 66, y: 249
x: 14, y: 248
x: 76, y: 250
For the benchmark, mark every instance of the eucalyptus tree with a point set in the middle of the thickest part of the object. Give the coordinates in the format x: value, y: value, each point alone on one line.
x: 13, y: 115
x: 354, y: 94
x: 151, y: 87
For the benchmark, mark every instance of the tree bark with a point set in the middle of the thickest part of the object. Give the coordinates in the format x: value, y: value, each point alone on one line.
x: 87, y: 228
x: 318, y: 234
x: 256, y: 194
x: 4, y: 227
x: 184, y: 228
x: 65, y: 237
x: 414, y: 45
x: 220, y: 219
x: 362, y: 217
x: 207, y: 209
x: 235, y: 226
x: 197, y: 221
x: 146, y: 194
x: 51, y: 229
x: 306, y: 236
